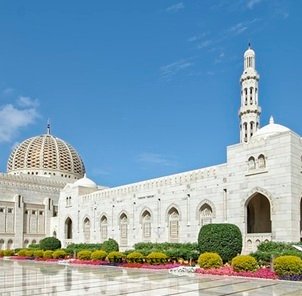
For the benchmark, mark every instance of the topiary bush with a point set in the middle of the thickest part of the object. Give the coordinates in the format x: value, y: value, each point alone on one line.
x: 47, y: 254
x: 98, y: 255
x: 244, y: 263
x: 110, y: 245
x: 224, y: 239
x: 156, y: 258
x: 59, y: 254
x: 50, y: 243
x: 135, y: 257
x: 84, y: 255
x: 288, y: 265
x: 9, y: 252
x: 38, y: 253
x: 115, y: 257
x: 22, y: 252
x: 29, y: 253
x: 209, y: 260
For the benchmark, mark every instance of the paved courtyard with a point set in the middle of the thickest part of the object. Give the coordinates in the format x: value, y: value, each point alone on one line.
x: 32, y: 278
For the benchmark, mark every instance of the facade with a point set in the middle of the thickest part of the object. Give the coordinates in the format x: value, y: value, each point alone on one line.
x: 259, y: 189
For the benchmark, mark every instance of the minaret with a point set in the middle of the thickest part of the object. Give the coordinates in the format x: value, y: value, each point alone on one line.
x: 250, y: 111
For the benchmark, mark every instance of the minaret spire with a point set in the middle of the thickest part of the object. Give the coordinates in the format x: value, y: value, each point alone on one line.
x: 48, y: 127
x: 250, y: 111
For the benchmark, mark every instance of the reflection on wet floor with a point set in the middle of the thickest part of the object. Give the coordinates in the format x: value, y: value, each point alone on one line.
x: 36, y: 278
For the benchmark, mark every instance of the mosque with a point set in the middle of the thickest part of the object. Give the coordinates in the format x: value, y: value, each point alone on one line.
x: 45, y: 191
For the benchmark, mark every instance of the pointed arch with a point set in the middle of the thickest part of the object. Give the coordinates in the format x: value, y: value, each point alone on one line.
x: 201, y: 204
x: 104, y: 227
x: 123, y: 223
x: 301, y: 219
x: 86, y: 229
x: 2, y: 242
x: 258, y: 214
x: 173, y: 224
x: 176, y: 207
x: 68, y: 228
x: 146, y: 220
x: 205, y: 212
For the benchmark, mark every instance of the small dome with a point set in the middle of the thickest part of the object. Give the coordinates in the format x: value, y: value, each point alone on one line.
x: 270, y: 130
x: 249, y: 53
x: 85, y: 182
x: 47, y: 156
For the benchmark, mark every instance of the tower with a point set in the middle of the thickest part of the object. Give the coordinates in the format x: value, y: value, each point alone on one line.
x: 250, y: 111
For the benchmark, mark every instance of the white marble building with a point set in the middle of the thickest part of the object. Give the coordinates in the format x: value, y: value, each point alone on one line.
x: 259, y: 188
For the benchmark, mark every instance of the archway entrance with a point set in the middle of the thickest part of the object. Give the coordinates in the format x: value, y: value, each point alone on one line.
x: 68, y: 228
x: 259, y: 214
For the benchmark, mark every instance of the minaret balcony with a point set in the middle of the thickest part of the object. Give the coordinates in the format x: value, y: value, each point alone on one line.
x: 249, y: 109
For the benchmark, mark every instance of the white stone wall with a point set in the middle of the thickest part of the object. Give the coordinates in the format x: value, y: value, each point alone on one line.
x: 226, y: 188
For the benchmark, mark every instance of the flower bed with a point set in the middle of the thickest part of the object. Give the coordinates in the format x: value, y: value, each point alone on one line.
x: 264, y: 273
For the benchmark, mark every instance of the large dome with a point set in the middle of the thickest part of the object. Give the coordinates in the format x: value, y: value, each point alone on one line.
x: 48, y: 156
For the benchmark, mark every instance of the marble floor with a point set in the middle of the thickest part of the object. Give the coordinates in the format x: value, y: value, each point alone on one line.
x: 33, y: 278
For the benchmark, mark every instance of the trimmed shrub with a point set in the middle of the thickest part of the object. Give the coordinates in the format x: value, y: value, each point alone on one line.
x: 50, y: 243
x: 244, y: 263
x: 276, y: 247
x: 209, y: 260
x: 47, y: 254
x: 110, y: 245
x: 34, y: 246
x: 98, y: 255
x: 22, y: 252
x: 38, y: 253
x: 29, y: 253
x: 174, y: 251
x: 59, y: 254
x: 115, y: 257
x: 1, y: 253
x: 9, y: 252
x: 70, y: 249
x: 224, y: 239
x: 84, y: 255
x: 135, y: 257
x: 157, y: 258
x: 288, y: 265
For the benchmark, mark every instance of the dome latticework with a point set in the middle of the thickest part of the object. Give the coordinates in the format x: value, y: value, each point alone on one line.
x: 46, y: 155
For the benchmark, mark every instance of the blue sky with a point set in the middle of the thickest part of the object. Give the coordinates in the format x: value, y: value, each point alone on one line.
x: 144, y: 89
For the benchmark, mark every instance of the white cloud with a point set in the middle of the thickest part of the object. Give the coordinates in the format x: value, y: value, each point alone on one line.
x: 175, y: 8
x: 251, y: 3
x: 13, y: 118
x: 167, y: 71
x: 238, y: 28
x: 155, y: 159
x: 27, y: 102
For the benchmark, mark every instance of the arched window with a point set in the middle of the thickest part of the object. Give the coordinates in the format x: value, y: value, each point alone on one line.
x: 123, y: 230
x: 86, y: 229
x: 1, y: 244
x: 300, y: 220
x: 205, y: 214
x: 261, y: 161
x: 173, y: 220
x: 259, y: 214
x: 104, y: 228
x: 25, y: 243
x: 146, y: 225
x: 251, y: 163
x: 68, y: 228
x: 10, y: 244
x: 33, y: 242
